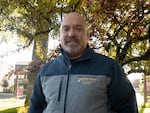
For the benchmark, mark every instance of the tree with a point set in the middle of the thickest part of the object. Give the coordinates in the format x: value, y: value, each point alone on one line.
x: 123, y: 30
x: 122, y: 27
x: 5, y: 83
x: 117, y: 28
x: 33, y: 68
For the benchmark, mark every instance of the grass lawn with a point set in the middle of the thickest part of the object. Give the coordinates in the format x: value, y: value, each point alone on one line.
x: 24, y: 110
x: 141, y: 110
x: 11, y: 110
x: 15, y: 110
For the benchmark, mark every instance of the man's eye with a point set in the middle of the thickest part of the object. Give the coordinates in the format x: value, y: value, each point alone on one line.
x: 65, y: 29
x: 78, y: 28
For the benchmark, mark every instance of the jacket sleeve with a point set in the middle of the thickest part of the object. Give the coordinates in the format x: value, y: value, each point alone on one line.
x: 121, y: 94
x: 37, y: 103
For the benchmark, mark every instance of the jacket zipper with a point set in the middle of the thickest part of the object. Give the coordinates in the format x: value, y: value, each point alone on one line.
x: 67, y: 87
x: 60, y: 88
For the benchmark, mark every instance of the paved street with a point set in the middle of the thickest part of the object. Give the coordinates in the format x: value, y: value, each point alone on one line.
x: 140, y: 99
x: 7, y: 100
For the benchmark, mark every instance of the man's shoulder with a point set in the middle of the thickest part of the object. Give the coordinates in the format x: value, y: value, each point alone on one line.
x: 53, y: 62
x: 103, y: 57
x: 51, y: 65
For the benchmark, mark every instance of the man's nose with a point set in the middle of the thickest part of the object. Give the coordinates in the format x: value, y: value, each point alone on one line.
x: 71, y: 32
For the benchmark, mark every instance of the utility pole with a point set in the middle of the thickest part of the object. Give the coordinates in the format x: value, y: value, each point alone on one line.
x: 145, y: 89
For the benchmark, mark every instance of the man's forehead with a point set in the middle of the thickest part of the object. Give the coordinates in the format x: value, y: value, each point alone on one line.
x: 73, y: 19
x: 73, y: 25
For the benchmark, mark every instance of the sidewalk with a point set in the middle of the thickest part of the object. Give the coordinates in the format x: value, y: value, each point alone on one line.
x: 7, y: 100
x: 146, y: 110
x: 140, y: 102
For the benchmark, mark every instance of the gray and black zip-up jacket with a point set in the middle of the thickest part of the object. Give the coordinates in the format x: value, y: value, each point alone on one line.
x: 92, y: 84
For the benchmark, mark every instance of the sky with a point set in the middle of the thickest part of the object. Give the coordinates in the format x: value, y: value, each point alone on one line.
x: 8, y: 59
x: 12, y: 57
x: 9, y: 54
x: 24, y: 55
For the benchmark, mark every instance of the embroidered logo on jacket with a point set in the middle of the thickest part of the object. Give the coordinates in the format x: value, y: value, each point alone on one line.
x: 86, y: 80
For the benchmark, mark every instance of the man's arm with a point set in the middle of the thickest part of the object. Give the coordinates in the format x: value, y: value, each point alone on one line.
x: 121, y: 93
x: 37, y: 103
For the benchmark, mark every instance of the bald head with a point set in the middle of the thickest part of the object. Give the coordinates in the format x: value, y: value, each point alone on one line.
x: 73, y: 35
x: 73, y: 18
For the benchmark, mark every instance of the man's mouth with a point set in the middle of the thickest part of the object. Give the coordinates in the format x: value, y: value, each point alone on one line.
x: 72, y: 41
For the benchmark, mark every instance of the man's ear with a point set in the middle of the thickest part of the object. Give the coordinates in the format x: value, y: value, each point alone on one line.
x: 88, y: 36
x: 59, y: 36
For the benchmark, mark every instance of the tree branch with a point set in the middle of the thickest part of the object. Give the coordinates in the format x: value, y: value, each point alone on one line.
x: 146, y: 56
x: 125, y: 50
x: 138, y: 71
x: 43, y: 32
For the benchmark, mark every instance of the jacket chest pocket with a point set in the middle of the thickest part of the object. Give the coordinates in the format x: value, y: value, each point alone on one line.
x: 52, y: 88
x: 93, y: 84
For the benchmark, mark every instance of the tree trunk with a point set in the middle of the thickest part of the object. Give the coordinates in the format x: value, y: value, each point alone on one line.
x: 38, y: 58
x: 31, y: 78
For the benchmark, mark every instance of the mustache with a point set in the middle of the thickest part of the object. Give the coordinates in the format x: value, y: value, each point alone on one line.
x: 73, y: 38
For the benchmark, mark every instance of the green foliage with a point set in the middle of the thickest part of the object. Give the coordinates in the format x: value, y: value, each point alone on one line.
x: 122, y: 28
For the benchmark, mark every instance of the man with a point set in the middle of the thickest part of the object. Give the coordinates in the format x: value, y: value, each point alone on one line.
x: 81, y: 81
